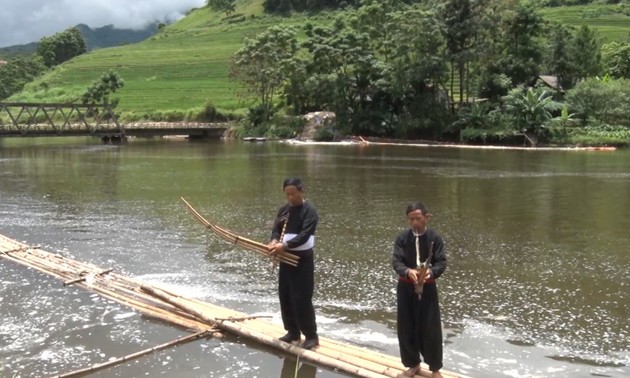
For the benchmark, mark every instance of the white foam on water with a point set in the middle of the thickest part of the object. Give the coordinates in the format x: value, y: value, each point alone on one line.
x: 124, y: 315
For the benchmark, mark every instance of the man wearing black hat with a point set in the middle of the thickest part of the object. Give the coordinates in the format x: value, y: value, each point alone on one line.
x: 294, y: 232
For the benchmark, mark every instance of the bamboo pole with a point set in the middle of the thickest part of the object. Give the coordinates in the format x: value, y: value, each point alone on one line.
x: 391, y: 364
x: 268, y: 340
x: 85, y: 277
x: 129, y: 291
x: 327, y: 346
x: 241, y: 318
x: 145, y: 304
x: 129, y: 357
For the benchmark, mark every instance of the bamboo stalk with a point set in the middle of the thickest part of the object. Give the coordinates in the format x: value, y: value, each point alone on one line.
x: 153, y: 308
x: 240, y: 319
x: 19, y: 249
x: 129, y: 291
x: 391, y: 364
x: 268, y: 340
x: 129, y: 357
x: 102, y: 272
x: 333, y: 347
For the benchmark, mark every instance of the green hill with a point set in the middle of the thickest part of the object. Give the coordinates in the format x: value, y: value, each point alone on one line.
x: 105, y: 36
x: 186, y: 64
x: 17, y: 50
x: 611, y: 21
x: 180, y: 68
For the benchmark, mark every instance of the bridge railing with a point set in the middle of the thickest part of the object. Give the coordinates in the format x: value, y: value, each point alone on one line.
x: 176, y: 125
x: 18, y: 118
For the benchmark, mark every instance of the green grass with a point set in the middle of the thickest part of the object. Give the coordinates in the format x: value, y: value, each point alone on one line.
x: 181, y: 68
x: 612, y: 22
x: 186, y: 64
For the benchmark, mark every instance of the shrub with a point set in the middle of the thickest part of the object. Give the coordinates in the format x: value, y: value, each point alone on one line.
x: 600, y: 135
x: 210, y: 113
x: 324, y: 134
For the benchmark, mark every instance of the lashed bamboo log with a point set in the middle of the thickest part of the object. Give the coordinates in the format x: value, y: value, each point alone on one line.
x: 227, y: 235
x: 334, y: 349
x: 125, y: 290
x: 79, y: 279
x: 129, y: 357
x: 241, y: 318
x: 145, y: 304
x: 268, y: 340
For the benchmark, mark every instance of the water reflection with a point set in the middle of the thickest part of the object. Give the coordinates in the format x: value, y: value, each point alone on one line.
x: 293, y: 368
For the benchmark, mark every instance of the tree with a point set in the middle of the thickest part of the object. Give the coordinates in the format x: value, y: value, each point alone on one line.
x: 489, y: 75
x: 374, y: 18
x: 61, y: 47
x: 463, y: 20
x: 17, y: 73
x: 419, y: 71
x: 522, y: 53
x: 262, y: 63
x: 227, y: 6
x: 560, y: 58
x: 607, y: 100
x: 616, y: 59
x: 285, y: 6
x: 531, y: 112
x: 102, y: 88
x: 587, y: 53
x: 343, y: 73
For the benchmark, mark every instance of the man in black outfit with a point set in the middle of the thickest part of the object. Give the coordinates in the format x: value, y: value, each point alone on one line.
x: 294, y: 232
x: 418, y: 322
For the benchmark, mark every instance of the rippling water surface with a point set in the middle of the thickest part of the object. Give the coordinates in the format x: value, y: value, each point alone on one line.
x: 537, y: 284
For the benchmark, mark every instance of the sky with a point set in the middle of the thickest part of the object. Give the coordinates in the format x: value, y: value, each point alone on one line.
x: 25, y: 21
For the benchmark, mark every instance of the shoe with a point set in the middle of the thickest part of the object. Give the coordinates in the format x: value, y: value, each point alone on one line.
x: 289, y: 337
x: 310, y: 342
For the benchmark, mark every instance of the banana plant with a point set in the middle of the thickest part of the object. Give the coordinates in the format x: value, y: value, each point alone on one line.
x: 531, y: 112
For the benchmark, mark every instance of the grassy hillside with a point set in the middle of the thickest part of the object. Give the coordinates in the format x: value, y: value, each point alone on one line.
x: 186, y: 64
x: 181, y: 68
x: 612, y: 22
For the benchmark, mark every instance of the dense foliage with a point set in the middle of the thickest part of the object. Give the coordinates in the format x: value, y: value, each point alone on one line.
x: 285, y: 6
x: 471, y: 70
x: 441, y: 69
x: 101, y: 90
x: 61, y: 47
x: 17, y: 72
x: 559, y: 3
x: 227, y: 6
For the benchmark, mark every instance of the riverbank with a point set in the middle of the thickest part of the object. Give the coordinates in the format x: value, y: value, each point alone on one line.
x: 390, y: 142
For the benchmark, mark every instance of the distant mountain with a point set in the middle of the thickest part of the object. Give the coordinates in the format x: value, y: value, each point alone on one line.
x: 17, y: 50
x: 106, y: 36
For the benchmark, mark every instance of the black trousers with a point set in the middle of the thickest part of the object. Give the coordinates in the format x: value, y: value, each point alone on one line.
x: 295, y: 288
x: 419, y: 326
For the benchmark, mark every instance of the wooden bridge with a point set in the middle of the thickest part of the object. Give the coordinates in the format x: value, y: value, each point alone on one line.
x: 19, y: 119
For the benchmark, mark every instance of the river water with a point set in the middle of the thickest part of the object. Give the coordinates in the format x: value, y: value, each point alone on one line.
x: 538, y: 282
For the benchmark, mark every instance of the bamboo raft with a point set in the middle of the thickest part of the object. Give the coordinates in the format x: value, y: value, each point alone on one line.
x: 195, y: 315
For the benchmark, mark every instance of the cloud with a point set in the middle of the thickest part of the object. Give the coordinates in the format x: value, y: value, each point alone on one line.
x: 24, y: 21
